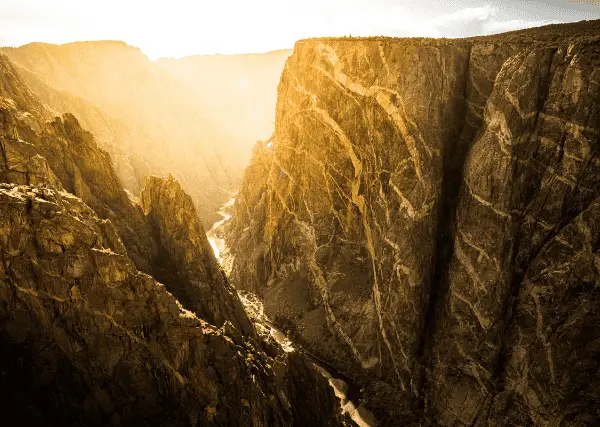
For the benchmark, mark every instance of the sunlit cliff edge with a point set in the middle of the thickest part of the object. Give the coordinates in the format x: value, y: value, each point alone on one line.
x: 425, y: 220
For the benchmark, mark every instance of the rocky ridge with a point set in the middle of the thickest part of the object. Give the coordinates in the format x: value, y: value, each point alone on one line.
x: 423, y: 219
x: 193, y: 276
x: 79, y: 165
x: 195, y: 117
x: 87, y: 339
x: 87, y: 335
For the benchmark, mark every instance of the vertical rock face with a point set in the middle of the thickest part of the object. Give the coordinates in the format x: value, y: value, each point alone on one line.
x: 186, y: 263
x: 531, y: 182
x: 353, y: 134
x: 423, y: 220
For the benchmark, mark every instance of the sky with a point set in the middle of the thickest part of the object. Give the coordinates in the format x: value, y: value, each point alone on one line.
x: 178, y: 28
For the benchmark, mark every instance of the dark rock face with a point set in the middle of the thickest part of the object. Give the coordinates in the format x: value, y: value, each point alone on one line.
x: 424, y: 220
x: 531, y: 180
x: 189, y: 268
x: 87, y: 339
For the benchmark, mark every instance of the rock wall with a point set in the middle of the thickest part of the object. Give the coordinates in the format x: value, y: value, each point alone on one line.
x: 186, y: 263
x: 87, y: 336
x: 87, y: 339
x: 423, y: 220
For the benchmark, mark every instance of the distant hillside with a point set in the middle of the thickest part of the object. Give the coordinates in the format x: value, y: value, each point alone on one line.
x: 197, y: 117
x: 240, y: 90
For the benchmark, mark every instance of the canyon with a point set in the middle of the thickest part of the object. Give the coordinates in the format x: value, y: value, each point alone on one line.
x: 88, y: 335
x: 196, y: 117
x: 413, y: 240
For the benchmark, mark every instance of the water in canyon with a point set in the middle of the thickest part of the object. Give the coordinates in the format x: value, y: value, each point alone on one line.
x: 216, y: 237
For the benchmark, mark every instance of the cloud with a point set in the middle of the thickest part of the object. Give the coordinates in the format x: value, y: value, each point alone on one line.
x: 465, y: 15
x: 462, y: 23
x: 478, y: 21
x: 495, y: 27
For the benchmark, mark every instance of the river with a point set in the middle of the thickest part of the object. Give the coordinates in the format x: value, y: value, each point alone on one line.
x: 216, y: 237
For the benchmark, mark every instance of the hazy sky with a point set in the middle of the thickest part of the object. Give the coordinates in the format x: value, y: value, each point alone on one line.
x: 179, y: 28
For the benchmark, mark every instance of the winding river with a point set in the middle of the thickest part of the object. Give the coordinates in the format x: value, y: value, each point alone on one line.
x: 361, y: 416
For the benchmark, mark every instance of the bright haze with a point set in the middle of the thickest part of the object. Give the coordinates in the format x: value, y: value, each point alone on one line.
x: 179, y: 28
x: 189, y: 87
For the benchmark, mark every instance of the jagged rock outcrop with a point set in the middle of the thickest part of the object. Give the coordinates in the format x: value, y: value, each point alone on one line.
x: 87, y: 339
x: 167, y: 240
x: 195, y: 117
x: 186, y: 263
x: 423, y: 219
x: 71, y: 152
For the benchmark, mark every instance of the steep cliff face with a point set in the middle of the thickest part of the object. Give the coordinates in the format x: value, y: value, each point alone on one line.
x: 186, y: 263
x: 87, y: 339
x: 423, y: 219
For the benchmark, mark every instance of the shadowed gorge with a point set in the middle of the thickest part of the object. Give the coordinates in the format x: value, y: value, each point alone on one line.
x: 413, y: 241
x: 423, y: 219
